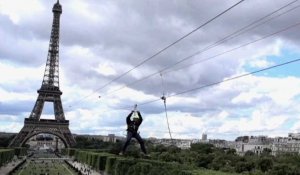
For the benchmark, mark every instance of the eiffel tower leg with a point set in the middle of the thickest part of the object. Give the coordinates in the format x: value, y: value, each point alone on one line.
x: 38, y: 108
x: 58, y: 109
x: 68, y: 136
x: 20, y: 137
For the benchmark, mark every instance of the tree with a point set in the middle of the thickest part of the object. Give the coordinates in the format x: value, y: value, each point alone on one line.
x: 231, y: 151
x: 168, y: 157
x: 173, y: 149
x: 204, y: 160
x: 281, y: 169
x: 249, y: 153
x: 265, y: 164
x: 266, y: 152
x: 159, y: 148
x: 115, y: 148
x: 244, y: 166
x: 218, y: 162
x: 202, y: 148
x: 5, y: 140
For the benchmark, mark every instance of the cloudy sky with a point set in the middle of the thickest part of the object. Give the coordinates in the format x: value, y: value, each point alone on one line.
x: 102, y: 40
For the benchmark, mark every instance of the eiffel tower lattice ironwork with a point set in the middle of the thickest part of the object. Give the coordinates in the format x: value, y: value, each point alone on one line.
x: 49, y: 92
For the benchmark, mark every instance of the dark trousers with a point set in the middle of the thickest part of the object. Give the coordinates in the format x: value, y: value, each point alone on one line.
x: 138, y: 138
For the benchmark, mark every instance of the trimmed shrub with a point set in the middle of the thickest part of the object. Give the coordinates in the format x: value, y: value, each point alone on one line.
x: 20, y: 151
x: 102, y: 161
x: 6, y: 155
x: 140, y: 168
x: 110, y: 165
x: 122, y: 166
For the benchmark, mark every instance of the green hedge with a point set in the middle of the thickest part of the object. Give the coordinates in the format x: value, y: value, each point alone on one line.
x: 116, y: 165
x: 71, y: 151
x: 68, y: 151
x: 20, y: 151
x: 205, y: 172
x: 110, y: 165
x: 6, y: 155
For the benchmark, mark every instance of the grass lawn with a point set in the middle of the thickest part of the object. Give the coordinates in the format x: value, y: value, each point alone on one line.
x: 211, y: 172
x: 51, y: 167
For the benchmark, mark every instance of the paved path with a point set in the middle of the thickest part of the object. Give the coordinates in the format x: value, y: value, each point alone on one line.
x: 82, y: 167
x: 8, y: 167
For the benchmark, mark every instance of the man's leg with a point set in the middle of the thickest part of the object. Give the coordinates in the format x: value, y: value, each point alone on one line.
x: 128, y: 138
x: 141, y: 141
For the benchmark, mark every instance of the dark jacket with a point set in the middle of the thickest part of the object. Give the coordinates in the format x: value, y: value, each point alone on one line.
x: 133, y: 126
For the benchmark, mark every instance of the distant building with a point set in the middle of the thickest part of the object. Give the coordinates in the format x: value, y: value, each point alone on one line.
x: 255, y: 144
x: 222, y: 143
x: 244, y: 139
x: 180, y: 143
x: 109, y: 138
x: 294, y: 136
x: 204, y: 137
x: 42, y: 141
x: 277, y: 145
x: 290, y: 144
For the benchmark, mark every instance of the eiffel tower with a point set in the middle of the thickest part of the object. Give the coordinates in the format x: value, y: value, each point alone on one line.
x: 49, y: 92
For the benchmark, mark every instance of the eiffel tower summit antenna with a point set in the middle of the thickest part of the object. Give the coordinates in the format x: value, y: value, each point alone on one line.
x: 49, y: 92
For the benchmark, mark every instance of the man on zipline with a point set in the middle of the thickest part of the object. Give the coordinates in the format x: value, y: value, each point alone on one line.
x: 134, y: 120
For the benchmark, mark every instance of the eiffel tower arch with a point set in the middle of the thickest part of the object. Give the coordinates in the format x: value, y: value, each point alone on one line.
x: 49, y: 92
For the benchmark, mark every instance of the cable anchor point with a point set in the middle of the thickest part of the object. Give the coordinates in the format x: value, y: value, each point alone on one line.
x: 163, y: 98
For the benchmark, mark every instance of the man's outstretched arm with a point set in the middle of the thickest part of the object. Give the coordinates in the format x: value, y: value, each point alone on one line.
x: 140, y: 115
x: 128, y: 118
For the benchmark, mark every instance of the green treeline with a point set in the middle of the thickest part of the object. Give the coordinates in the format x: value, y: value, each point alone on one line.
x: 6, y: 155
x: 20, y: 151
x: 226, y: 160
x: 5, y: 140
x: 200, y: 157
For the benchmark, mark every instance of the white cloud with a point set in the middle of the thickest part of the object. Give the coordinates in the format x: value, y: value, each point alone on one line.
x: 13, y: 75
x: 261, y: 63
x: 246, y: 97
x: 13, y: 127
x: 17, y: 9
x: 105, y: 69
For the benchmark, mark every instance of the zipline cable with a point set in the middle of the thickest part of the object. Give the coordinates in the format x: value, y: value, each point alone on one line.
x: 233, y: 49
x: 228, y: 37
x: 162, y: 50
x: 220, y: 82
x: 212, y: 84
x: 165, y: 105
x: 282, y: 30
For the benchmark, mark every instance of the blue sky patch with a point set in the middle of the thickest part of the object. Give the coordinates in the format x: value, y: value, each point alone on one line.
x: 282, y: 71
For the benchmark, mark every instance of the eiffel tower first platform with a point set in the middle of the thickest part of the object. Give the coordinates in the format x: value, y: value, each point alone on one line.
x: 49, y: 92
